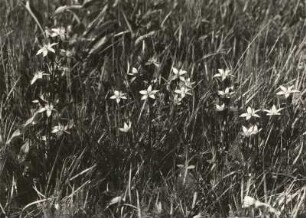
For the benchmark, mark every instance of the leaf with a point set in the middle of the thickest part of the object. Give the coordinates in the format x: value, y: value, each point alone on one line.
x: 30, y: 120
x: 64, y: 8
x: 15, y: 134
x: 93, y: 24
x: 35, y: 15
x: 190, y: 167
x: 98, y: 45
x: 141, y: 38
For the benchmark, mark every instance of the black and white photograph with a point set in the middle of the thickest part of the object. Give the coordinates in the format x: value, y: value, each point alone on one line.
x: 152, y: 108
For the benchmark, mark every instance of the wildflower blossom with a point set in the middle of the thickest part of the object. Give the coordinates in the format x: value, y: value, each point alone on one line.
x: 273, y: 111
x: 48, y: 108
x: 252, y: 202
x: 126, y: 127
x: 46, y: 48
x: 54, y: 32
x: 118, y: 95
x: 250, y: 113
x: 60, y: 129
x: 178, y: 74
x: 56, y: 206
x: 227, y: 93
x: 134, y: 72
x: 38, y: 75
x: 248, y: 202
x: 223, y: 74
x: 183, y: 91
x: 177, y: 99
x: 153, y: 60
x: 287, y: 91
x: 148, y: 93
x: 187, y: 83
x: 253, y: 130
x: 220, y: 107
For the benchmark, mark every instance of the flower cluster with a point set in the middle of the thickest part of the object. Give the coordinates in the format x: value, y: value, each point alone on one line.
x: 251, y: 113
x: 183, y: 86
x: 225, y: 89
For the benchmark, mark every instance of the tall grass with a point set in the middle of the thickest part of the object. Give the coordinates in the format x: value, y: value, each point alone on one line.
x: 69, y: 148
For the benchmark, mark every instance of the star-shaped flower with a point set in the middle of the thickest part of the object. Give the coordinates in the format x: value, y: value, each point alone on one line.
x: 153, y: 60
x: 46, y: 48
x: 287, y: 91
x: 220, y: 107
x: 126, y: 127
x: 273, y: 111
x: 60, y: 32
x: 60, y: 129
x: 253, y: 130
x: 178, y: 74
x: 148, y: 93
x: 38, y: 75
x: 177, y: 99
x: 187, y: 83
x: 183, y: 91
x: 54, y: 32
x: 223, y: 74
x: 227, y: 93
x: 118, y: 95
x: 48, y: 108
x: 250, y: 113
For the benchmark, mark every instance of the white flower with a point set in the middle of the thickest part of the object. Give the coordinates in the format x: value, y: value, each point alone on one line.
x: 48, y: 108
x: 252, y: 202
x: 250, y: 113
x: 115, y: 200
x: 226, y: 93
x: 158, y: 206
x: 126, y: 127
x: 178, y: 74
x: 187, y: 83
x: 60, y: 32
x: 153, y: 60
x: 149, y: 93
x: 177, y: 99
x: 253, y: 130
x: 60, y: 129
x: 46, y: 49
x: 56, y: 206
x: 248, y: 202
x: 287, y: 91
x: 223, y: 74
x: 273, y: 111
x: 220, y: 107
x: 183, y: 91
x: 38, y: 75
x: 118, y: 95
x: 134, y: 72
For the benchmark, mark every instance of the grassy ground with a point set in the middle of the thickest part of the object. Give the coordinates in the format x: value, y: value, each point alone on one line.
x: 165, y: 108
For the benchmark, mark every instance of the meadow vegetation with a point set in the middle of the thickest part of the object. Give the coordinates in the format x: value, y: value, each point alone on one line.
x: 164, y: 108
